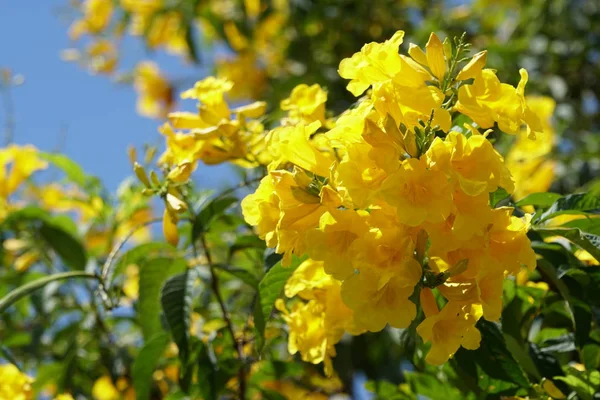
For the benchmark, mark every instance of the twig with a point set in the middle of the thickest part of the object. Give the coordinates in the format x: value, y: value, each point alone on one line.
x: 9, y: 113
x: 104, y: 285
x: 238, y: 345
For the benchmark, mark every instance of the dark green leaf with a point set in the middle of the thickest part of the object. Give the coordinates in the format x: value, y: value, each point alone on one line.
x: 208, y: 213
x: 494, y: 358
x: 68, y: 248
x: 242, y: 274
x: 211, y: 379
x: 269, y: 289
x: 153, y: 274
x: 176, y: 300
x: 145, y: 363
x: 542, y: 200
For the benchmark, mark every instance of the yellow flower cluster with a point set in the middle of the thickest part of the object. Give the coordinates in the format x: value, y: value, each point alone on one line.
x: 17, y: 164
x: 14, y: 385
x: 393, y: 198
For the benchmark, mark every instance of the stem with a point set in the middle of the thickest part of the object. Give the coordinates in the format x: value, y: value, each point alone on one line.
x: 238, y: 345
x: 104, y: 287
x: 30, y: 287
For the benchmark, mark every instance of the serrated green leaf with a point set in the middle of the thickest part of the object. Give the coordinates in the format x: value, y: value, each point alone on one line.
x: 208, y: 213
x: 494, y: 358
x: 269, y: 289
x: 176, y: 300
x: 542, y: 200
x: 145, y: 363
x: 153, y: 275
x: 68, y: 248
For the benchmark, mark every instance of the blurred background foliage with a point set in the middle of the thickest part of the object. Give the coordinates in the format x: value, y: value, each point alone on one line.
x: 65, y: 338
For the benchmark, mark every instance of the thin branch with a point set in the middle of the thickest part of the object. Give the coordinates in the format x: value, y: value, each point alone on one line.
x: 9, y: 114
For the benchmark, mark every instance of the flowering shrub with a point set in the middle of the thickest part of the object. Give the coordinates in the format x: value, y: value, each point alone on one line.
x: 391, y: 238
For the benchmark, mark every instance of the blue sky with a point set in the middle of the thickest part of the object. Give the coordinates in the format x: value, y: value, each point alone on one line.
x: 96, y: 116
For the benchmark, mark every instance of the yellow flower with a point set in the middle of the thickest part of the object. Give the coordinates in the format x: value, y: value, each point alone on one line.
x: 23, y: 162
x: 488, y: 100
x: 105, y: 389
x: 293, y: 145
x: 306, y: 104
x: 528, y: 160
x: 131, y: 287
x: 433, y: 57
x: 96, y: 18
x: 261, y: 209
x: 248, y: 77
x: 64, y: 396
x: 14, y: 385
x: 472, y: 162
x: 155, y: 95
x: 448, y: 330
x: 292, y: 391
x: 317, y: 325
x: 378, y: 63
x: 331, y: 242
x: 376, y: 304
x: 419, y: 194
x: 102, y: 55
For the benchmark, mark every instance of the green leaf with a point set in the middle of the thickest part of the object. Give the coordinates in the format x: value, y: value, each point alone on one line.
x: 591, y: 356
x: 585, y: 384
x: 385, y: 390
x: 153, y: 275
x: 498, y: 197
x: 68, y: 248
x: 30, y: 287
x: 588, y: 225
x: 73, y: 171
x: 208, y: 213
x: 587, y: 241
x: 145, y: 363
x: 579, y: 203
x: 246, y: 242
x: 211, y: 380
x: 240, y: 273
x: 269, y: 289
x: 27, y: 213
x: 494, y: 358
x: 176, y: 300
x: 542, y: 200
